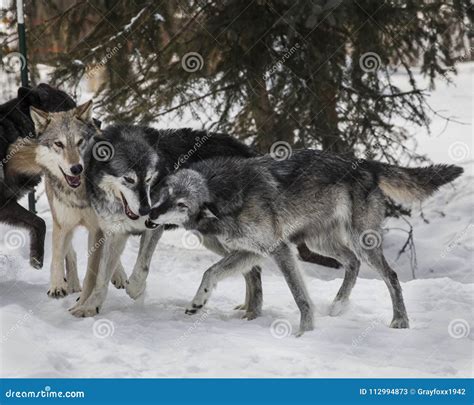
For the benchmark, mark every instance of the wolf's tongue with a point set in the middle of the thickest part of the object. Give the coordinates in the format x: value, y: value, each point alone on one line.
x: 73, y: 181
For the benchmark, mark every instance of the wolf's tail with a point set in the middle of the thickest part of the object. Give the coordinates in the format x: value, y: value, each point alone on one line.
x: 406, y: 185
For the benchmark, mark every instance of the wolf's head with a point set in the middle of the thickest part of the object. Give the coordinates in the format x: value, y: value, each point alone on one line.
x: 121, y: 171
x: 183, y: 198
x: 63, y: 137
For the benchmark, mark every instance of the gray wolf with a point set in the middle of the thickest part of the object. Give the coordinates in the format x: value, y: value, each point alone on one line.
x: 257, y: 207
x: 59, y: 151
x: 121, y: 189
x: 19, y: 176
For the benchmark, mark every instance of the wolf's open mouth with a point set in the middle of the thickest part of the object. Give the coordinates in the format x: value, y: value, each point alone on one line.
x: 128, y: 211
x: 73, y: 181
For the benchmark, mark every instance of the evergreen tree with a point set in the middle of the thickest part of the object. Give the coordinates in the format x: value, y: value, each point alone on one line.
x: 312, y: 73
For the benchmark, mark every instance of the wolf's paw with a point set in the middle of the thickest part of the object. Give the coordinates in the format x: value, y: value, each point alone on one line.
x: 303, y: 329
x: 400, y: 323
x: 135, y: 288
x: 83, y: 311
x: 241, y: 307
x: 251, y: 315
x: 194, y: 308
x: 338, y: 307
x: 58, y: 290
x: 119, y: 279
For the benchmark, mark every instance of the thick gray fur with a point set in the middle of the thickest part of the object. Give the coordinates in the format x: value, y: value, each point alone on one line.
x: 257, y: 207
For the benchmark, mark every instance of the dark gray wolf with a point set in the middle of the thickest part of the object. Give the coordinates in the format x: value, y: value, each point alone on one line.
x: 16, y: 126
x: 257, y: 207
x: 120, y: 189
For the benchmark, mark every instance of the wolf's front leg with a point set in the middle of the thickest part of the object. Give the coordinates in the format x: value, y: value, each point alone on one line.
x: 235, y: 262
x: 110, y: 253
x: 137, y: 282
x: 61, y: 240
x: 72, y: 278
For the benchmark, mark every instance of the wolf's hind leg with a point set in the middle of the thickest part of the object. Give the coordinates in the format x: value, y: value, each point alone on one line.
x: 72, y: 278
x: 377, y: 260
x: 253, y: 294
x: 351, y: 266
x: 286, y: 260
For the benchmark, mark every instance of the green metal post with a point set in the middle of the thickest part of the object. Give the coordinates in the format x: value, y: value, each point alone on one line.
x: 24, y: 71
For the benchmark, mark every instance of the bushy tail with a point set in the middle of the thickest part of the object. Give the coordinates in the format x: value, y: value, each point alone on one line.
x: 406, y: 185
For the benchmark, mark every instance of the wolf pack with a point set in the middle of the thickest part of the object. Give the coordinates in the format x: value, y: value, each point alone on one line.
x: 123, y: 180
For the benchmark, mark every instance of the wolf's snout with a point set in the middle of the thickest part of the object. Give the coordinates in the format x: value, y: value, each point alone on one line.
x: 144, y: 210
x: 154, y: 214
x: 76, y: 169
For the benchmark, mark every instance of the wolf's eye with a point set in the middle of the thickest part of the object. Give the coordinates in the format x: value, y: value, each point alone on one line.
x: 147, y: 180
x: 79, y: 143
x: 181, y: 205
x: 129, y: 180
x: 59, y: 144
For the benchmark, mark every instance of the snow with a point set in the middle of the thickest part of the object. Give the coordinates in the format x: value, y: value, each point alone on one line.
x: 158, y: 17
x: 154, y: 338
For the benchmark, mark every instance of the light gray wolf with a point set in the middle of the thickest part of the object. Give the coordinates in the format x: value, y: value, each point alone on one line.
x: 62, y: 139
x: 19, y: 175
x: 257, y: 207
x: 121, y: 188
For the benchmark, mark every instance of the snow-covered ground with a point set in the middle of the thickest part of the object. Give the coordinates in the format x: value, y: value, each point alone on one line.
x: 154, y: 338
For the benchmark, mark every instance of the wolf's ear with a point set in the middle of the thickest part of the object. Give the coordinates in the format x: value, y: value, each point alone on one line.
x: 84, y: 111
x: 40, y: 119
x: 209, y: 211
